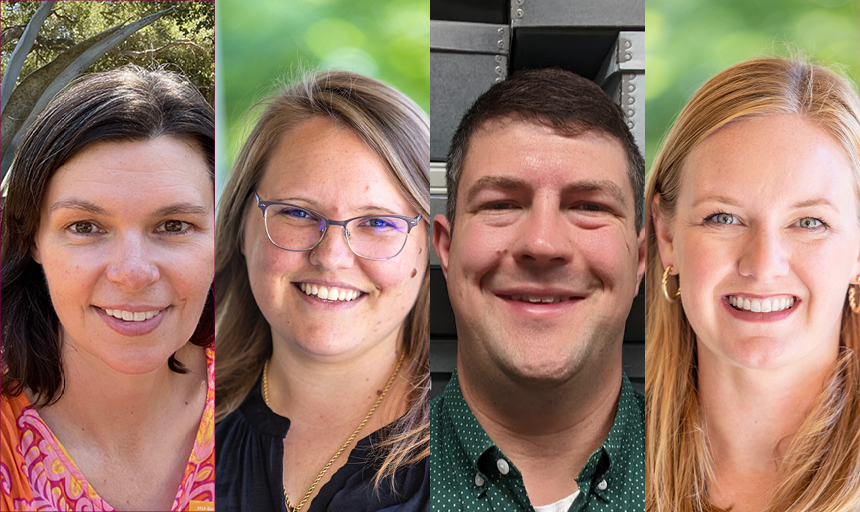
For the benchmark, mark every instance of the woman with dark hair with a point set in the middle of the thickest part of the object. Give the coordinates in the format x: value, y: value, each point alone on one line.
x: 753, y: 356
x: 107, y: 313
x: 322, y: 293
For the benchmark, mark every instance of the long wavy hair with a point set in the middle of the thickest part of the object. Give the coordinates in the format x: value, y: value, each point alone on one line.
x: 398, y: 131
x: 821, y: 469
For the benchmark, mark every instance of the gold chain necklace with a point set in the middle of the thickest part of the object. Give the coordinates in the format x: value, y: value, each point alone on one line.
x: 361, y: 425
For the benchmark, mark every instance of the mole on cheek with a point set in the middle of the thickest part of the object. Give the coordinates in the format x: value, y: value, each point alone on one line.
x: 414, y: 273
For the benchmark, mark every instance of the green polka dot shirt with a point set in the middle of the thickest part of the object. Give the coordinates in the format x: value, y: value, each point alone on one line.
x: 469, y: 473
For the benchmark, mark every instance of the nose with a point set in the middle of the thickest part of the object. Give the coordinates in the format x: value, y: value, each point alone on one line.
x: 543, y: 236
x: 133, y: 264
x: 764, y: 257
x: 333, y: 251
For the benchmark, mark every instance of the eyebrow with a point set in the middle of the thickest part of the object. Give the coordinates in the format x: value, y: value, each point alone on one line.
x: 814, y: 202
x: 181, y: 209
x: 718, y: 199
x: 90, y: 207
x: 78, y: 204
x: 796, y: 206
x: 360, y: 209
x: 506, y: 183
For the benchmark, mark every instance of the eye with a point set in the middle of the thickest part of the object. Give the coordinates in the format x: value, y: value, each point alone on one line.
x: 296, y: 213
x: 721, y: 218
x: 590, y: 207
x: 83, y: 227
x: 810, y: 223
x: 499, y: 206
x: 173, y: 226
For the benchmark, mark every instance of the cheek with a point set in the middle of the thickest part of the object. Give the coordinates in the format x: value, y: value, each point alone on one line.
x: 477, y: 249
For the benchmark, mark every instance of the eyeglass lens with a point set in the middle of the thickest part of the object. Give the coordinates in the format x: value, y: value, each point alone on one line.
x: 373, y: 237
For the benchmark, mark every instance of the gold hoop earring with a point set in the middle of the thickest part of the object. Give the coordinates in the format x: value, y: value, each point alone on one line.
x: 665, y: 281
x: 852, y: 298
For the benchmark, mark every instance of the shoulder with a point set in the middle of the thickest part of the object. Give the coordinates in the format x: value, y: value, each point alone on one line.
x: 14, y: 484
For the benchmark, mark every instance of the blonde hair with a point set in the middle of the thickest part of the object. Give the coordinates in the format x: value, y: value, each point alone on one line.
x: 821, y: 469
x: 398, y: 131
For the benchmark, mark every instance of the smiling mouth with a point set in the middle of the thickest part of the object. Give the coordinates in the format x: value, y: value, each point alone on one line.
x: 329, y: 293
x: 759, y: 305
x: 131, y: 316
x: 542, y: 300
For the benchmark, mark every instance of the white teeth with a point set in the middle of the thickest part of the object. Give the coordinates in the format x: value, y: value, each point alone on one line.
x: 329, y: 293
x: 535, y: 300
x: 131, y: 316
x: 762, y: 305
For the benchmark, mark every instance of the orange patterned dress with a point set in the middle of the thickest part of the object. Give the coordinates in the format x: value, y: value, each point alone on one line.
x: 36, y: 473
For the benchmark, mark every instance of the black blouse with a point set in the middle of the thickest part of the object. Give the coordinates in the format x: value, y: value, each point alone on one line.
x: 249, y: 454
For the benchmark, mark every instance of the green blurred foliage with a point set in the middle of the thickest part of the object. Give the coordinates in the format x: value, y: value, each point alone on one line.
x: 266, y: 43
x: 183, y: 40
x: 688, y: 41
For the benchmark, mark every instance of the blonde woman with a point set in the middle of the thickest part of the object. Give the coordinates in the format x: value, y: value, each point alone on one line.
x: 753, y: 370
x: 322, y: 303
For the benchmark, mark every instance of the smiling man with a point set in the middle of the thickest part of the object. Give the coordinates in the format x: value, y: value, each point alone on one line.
x: 542, y: 250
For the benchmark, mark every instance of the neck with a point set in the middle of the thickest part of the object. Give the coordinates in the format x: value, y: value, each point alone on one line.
x: 335, y: 389
x: 114, y: 409
x: 549, y: 430
x: 751, y: 415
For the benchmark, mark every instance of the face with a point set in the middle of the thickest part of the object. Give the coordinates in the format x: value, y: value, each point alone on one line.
x: 766, y: 240
x: 126, y: 241
x: 544, y: 260
x: 329, y: 170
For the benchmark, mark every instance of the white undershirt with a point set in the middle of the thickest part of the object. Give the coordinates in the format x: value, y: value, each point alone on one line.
x: 562, y: 505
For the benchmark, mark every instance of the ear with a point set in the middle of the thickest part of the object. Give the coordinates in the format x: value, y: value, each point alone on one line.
x: 34, y: 250
x: 442, y: 240
x: 665, y: 236
x: 855, y: 273
x: 640, y: 267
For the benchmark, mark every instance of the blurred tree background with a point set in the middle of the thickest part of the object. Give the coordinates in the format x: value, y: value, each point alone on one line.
x: 70, y: 38
x: 183, y: 39
x: 266, y: 43
x: 689, y: 41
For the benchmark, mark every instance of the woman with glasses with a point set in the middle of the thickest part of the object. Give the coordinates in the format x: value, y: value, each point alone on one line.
x: 108, y: 317
x: 753, y: 324
x: 322, y: 304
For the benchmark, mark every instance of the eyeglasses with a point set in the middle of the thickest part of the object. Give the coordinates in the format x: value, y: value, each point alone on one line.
x: 297, y: 229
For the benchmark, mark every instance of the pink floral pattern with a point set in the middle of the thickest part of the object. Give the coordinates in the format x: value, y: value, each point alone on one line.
x: 36, y: 473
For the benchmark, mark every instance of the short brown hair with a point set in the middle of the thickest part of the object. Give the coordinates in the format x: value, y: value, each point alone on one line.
x: 568, y: 103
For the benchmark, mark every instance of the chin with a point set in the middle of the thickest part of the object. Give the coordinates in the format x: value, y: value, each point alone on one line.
x: 760, y: 353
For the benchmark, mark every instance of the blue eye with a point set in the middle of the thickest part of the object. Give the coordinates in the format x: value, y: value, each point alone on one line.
x: 296, y: 213
x: 810, y: 223
x: 721, y: 218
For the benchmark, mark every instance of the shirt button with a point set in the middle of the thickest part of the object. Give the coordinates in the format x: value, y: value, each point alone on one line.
x: 503, y: 466
x: 479, y: 480
x: 602, y: 485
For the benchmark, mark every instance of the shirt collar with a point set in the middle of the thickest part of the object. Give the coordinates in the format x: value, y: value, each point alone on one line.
x: 595, y: 476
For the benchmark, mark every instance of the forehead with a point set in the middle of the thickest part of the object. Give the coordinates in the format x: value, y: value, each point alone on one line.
x: 121, y: 170
x: 780, y: 158
x: 543, y: 158
x: 329, y: 166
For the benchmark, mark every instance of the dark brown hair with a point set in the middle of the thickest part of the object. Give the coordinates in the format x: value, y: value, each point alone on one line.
x: 125, y: 104
x: 566, y: 102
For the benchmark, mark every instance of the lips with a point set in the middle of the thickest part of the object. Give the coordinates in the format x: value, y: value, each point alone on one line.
x: 330, y: 293
x: 774, y: 303
x: 544, y: 300
x: 131, y: 316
